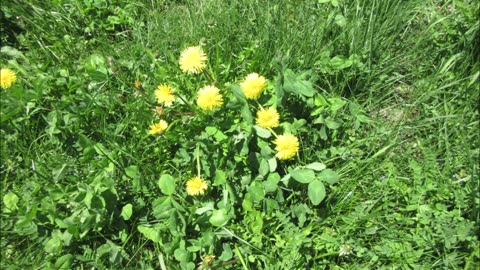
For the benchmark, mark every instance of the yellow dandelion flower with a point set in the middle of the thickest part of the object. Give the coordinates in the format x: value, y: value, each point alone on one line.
x: 158, y: 128
x: 137, y: 84
x: 253, y: 85
x: 164, y: 94
x: 192, y: 60
x: 287, y: 146
x: 209, y: 98
x: 268, y: 118
x: 196, y: 186
x: 7, y: 78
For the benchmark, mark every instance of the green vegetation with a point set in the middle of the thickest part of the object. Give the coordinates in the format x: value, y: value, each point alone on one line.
x: 383, y: 97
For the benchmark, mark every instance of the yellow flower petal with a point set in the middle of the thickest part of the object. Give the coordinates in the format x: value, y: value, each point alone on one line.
x: 209, y: 98
x: 268, y: 118
x: 196, y: 186
x: 192, y: 60
x: 164, y: 94
x: 253, y: 85
x: 7, y: 78
x: 287, y: 146
x: 158, y: 128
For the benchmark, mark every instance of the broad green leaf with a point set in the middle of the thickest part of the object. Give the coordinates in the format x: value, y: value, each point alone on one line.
x: 264, y: 168
x: 256, y: 191
x: 262, y: 132
x: 272, y: 182
x: 150, y: 233
x: 219, y: 217
x: 272, y: 164
x: 10, y: 200
x: 294, y: 83
x: 166, y: 183
x: 53, y: 245
x: 162, y: 207
x: 304, y: 176
x: 209, y: 206
x: 132, y: 172
x: 64, y: 262
x: 227, y: 253
x: 316, y: 192
x: 317, y: 166
x: 126, y: 211
x: 181, y: 254
x: 340, y: 62
x: 115, y: 254
x: 340, y: 20
x: 216, y: 133
x: 329, y: 176
x: 220, y: 178
x: 336, y: 103
x: 332, y: 124
x: 246, y: 114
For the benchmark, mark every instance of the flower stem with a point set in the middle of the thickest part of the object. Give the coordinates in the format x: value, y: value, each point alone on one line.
x: 198, y: 160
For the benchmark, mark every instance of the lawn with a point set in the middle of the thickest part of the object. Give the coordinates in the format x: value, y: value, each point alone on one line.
x: 249, y: 134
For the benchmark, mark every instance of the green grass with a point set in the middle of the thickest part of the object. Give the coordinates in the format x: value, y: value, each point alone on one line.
x: 383, y: 96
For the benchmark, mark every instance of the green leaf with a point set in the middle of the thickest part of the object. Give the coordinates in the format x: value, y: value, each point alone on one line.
x: 336, y: 104
x: 264, y: 168
x: 216, y: 133
x: 262, y: 132
x: 166, y: 183
x: 272, y: 164
x: 246, y: 114
x: 53, y: 245
x: 332, y: 124
x: 10, y: 200
x: 162, y: 207
x: 317, y: 166
x: 220, y: 178
x: 150, y: 233
x: 219, y: 217
x: 64, y: 262
x: 256, y: 191
x: 272, y: 182
x: 329, y: 176
x: 227, y: 253
x: 296, y: 84
x: 316, y: 192
x: 126, y: 211
x: 181, y: 255
x: 132, y: 172
x: 304, y: 176
x: 340, y: 20
x: 340, y: 62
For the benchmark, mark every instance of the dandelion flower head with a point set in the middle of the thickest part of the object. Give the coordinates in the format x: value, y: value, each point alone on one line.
x: 196, y: 186
x: 253, y: 85
x: 164, y: 94
x: 137, y: 84
x: 286, y: 146
x: 7, y: 78
x: 268, y: 118
x: 209, y: 98
x: 192, y: 60
x: 158, y: 128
